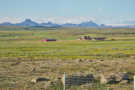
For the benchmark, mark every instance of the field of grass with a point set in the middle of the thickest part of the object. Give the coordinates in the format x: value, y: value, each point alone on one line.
x: 27, y: 43
x: 22, y: 51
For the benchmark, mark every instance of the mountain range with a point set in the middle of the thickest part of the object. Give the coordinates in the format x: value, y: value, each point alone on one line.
x: 29, y: 22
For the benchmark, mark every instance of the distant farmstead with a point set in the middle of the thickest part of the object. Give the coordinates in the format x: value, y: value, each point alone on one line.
x: 48, y: 40
x: 85, y: 38
x: 99, y: 38
x: 90, y: 38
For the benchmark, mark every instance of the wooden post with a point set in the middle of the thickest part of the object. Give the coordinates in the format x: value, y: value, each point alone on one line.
x: 64, y: 87
x: 134, y: 82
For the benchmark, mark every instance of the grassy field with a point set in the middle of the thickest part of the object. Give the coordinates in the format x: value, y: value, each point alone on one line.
x: 24, y: 56
x: 27, y: 43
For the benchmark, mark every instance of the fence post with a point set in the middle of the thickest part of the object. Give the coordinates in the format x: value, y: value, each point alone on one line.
x: 134, y: 82
x: 64, y: 87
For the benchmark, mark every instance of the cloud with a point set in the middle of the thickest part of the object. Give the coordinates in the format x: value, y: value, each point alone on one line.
x: 121, y: 20
x: 129, y: 21
x: 59, y: 20
x: 12, y: 20
x: 62, y: 20
x: 75, y: 20
x: 119, y: 24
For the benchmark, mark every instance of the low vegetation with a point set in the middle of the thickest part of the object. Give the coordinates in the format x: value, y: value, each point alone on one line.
x: 23, y: 55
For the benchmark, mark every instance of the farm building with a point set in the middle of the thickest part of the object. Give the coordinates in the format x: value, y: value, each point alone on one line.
x: 85, y: 38
x: 48, y: 40
x: 99, y: 38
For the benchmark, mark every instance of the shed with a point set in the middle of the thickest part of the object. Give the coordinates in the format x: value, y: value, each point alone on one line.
x: 48, y: 40
x: 99, y: 38
x: 85, y: 38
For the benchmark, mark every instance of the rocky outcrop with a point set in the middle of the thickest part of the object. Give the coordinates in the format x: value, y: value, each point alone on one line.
x: 39, y: 79
x: 114, y: 78
x: 103, y: 79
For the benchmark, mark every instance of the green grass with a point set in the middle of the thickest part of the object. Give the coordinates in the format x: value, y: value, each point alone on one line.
x: 27, y: 43
x: 21, y: 50
x: 67, y: 49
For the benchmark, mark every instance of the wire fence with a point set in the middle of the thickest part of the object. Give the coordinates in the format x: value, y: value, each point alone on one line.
x: 79, y: 82
x: 91, y: 84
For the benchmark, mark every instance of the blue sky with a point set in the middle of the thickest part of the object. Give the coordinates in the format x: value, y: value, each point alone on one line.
x: 100, y: 11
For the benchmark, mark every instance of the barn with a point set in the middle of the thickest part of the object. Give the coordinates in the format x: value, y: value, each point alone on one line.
x: 48, y: 40
x: 85, y: 38
x: 99, y: 38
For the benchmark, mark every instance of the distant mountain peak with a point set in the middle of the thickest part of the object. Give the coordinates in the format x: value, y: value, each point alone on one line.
x: 6, y: 24
x: 28, y: 20
x: 50, y: 22
x: 88, y: 24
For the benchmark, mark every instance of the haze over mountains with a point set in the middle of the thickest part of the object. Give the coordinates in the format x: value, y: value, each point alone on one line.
x: 29, y: 22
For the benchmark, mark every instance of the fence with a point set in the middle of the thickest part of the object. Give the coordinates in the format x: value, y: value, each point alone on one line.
x: 79, y: 82
x: 76, y: 80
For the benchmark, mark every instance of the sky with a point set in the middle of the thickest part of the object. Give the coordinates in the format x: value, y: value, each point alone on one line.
x: 69, y: 11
